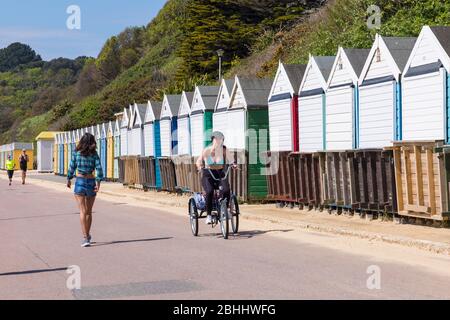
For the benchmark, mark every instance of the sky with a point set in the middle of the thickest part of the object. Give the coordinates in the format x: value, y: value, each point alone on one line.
x: 42, y: 24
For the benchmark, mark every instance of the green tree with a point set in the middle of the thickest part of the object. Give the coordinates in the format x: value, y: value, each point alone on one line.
x: 17, y: 54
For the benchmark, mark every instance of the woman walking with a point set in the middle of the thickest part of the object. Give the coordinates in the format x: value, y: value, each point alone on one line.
x: 10, y: 164
x: 23, y: 162
x: 85, y: 161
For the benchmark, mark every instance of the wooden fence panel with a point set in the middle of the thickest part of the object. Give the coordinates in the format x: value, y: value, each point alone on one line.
x: 168, y: 176
x: 147, y: 174
x: 281, y: 178
x: 373, y: 180
x: 422, y: 179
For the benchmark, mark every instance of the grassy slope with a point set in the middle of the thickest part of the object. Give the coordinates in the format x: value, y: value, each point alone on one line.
x: 343, y: 23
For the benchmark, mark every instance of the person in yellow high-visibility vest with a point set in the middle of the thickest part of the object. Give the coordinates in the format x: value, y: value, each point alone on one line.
x: 10, y: 164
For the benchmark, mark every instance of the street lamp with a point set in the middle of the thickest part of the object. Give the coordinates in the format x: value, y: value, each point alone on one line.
x: 220, y: 53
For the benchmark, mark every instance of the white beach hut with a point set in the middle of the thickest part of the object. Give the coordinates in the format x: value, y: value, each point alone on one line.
x: 183, y: 124
x: 283, y: 107
x: 124, y: 132
x: 168, y: 125
x: 203, y: 104
x: 380, y: 92
x: 425, y: 87
x: 312, y: 103
x: 220, y: 117
x: 342, y: 99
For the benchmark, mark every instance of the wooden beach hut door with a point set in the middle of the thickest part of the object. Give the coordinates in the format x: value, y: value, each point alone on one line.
x: 117, y: 150
x: 197, y: 133
x: 341, y: 127
x: 339, y: 118
x: 124, y: 134
x: 149, y: 137
x: 184, y: 136
x: 311, y: 101
x: 166, y: 137
x: 235, y: 137
x: 110, y: 153
x: 424, y: 102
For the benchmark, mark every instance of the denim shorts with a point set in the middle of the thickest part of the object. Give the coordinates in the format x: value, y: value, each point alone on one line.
x: 85, y: 187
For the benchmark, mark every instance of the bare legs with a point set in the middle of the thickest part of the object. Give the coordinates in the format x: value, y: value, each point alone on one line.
x: 24, y: 175
x: 85, y: 204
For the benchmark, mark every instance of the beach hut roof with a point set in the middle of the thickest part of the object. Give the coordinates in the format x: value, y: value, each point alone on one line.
x: 172, y: 101
x: 325, y: 64
x: 125, y: 118
x: 400, y: 49
x: 356, y: 58
x: 47, y: 135
x: 295, y: 73
x: 186, y: 103
x: 442, y: 33
x: 208, y: 94
x: 255, y: 91
x: 139, y: 114
x: 153, y: 111
x: 225, y: 86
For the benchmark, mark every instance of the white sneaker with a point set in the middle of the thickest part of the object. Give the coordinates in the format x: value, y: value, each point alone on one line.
x: 208, y: 219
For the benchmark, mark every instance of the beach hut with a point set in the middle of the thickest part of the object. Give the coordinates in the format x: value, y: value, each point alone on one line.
x: 70, y: 141
x: 137, y: 131
x: 98, y: 137
x: 117, y: 148
x: 66, y: 152
x: 248, y: 123
x: 283, y: 107
x: 129, y: 130
x: 104, y: 147
x: 380, y: 91
x: 248, y: 110
x: 183, y: 124
x: 60, y: 149
x: 168, y: 125
x: 55, y: 154
x: 204, y: 101
x: 110, y: 151
x: 425, y: 87
x: 312, y: 103
x: 124, y: 132
x: 151, y: 129
x: 220, y: 116
x: 152, y: 136
x: 2, y: 157
x: 342, y: 99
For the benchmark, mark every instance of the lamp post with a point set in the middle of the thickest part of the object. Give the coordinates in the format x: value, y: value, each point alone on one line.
x: 220, y: 53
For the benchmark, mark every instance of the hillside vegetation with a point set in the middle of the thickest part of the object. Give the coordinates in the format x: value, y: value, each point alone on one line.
x: 178, y: 48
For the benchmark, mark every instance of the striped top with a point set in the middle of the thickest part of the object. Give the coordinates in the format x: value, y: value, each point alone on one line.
x: 85, y: 166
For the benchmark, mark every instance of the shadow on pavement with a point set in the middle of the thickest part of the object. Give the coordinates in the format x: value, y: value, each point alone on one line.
x: 97, y: 244
x: 18, y: 273
x: 40, y: 216
x: 244, y: 234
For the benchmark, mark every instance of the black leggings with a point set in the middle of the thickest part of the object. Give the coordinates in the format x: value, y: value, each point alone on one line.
x: 209, y: 185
